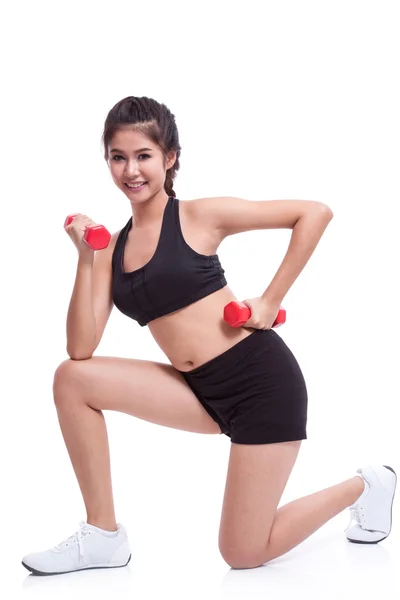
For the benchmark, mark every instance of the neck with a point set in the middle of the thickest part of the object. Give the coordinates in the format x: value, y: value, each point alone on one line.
x: 148, y: 212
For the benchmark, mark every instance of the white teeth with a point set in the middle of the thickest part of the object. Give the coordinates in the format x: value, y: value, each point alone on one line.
x: 136, y: 185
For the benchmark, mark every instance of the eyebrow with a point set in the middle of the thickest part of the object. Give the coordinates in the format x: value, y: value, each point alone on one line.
x: 140, y: 150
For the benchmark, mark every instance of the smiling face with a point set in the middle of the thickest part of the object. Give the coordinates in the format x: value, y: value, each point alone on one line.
x: 134, y: 158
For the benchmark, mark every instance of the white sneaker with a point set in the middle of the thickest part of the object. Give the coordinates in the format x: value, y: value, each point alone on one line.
x: 373, y: 509
x: 89, y: 548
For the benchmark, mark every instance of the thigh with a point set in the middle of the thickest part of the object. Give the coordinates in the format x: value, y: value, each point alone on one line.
x: 152, y: 391
x: 256, y: 479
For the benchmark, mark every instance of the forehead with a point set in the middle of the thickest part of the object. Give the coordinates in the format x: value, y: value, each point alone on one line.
x: 129, y: 138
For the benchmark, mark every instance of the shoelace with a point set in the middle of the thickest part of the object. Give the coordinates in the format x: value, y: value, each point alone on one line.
x: 76, y: 537
x: 357, y: 514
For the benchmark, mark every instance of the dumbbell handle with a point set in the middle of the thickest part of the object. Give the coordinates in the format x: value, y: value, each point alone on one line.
x: 237, y: 313
x: 96, y: 236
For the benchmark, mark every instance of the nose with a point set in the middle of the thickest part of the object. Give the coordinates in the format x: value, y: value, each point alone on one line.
x: 132, y: 168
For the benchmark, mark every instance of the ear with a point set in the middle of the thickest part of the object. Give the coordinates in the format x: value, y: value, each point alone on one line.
x: 171, y: 159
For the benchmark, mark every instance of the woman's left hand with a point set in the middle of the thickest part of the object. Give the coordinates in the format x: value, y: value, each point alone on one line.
x: 263, y: 313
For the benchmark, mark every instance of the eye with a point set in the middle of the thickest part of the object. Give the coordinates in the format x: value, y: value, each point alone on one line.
x: 118, y: 156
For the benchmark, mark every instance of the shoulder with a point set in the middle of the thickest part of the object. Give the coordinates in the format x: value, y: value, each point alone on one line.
x: 200, y: 214
x: 202, y: 209
x: 199, y: 205
x: 211, y: 212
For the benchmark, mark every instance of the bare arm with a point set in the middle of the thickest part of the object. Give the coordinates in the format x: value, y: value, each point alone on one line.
x: 81, y: 323
x: 306, y: 234
x: 91, y: 303
x: 307, y: 218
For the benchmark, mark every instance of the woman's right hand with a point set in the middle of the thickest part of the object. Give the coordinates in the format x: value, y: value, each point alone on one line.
x: 76, y: 230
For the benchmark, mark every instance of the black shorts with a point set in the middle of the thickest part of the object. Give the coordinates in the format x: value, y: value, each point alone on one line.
x: 255, y: 390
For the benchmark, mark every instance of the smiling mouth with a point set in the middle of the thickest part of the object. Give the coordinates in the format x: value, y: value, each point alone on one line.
x: 136, y: 187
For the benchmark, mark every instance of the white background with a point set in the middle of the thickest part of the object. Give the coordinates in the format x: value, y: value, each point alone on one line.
x: 273, y: 100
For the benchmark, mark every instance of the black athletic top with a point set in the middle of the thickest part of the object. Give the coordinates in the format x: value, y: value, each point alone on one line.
x: 174, y: 277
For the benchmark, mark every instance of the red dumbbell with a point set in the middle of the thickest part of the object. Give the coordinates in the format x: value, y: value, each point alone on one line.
x: 237, y: 313
x: 96, y: 236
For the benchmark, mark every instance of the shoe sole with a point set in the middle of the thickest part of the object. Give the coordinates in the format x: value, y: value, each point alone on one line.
x: 391, y: 515
x: 35, y: 572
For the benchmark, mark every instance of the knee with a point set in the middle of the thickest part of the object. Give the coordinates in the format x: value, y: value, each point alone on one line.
x: 243, y: 559
x: 69, y: 374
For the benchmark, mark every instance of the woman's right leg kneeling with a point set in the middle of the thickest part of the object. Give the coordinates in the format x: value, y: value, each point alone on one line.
x: 148, y: 390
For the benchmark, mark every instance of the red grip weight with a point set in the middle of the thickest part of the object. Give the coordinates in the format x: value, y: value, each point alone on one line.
x: 237, y: 314
x: 96, y: 236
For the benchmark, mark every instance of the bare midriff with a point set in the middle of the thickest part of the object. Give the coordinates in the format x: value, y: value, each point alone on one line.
x: 197, y: 333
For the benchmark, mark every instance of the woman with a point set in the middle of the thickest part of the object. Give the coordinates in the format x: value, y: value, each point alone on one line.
x: 162, y: 269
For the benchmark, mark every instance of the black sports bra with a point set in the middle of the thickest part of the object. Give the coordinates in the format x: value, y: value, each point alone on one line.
x: 174, y: 277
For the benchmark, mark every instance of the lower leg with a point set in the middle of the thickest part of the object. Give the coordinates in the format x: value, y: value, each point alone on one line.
x: 85, y: 435
x: 297, y: 520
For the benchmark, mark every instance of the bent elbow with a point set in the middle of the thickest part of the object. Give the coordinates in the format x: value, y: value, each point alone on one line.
x: 326, y: 210
x: 77, y: 356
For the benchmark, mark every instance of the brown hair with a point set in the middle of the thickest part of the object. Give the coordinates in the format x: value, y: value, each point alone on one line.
x: 152, y: 119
